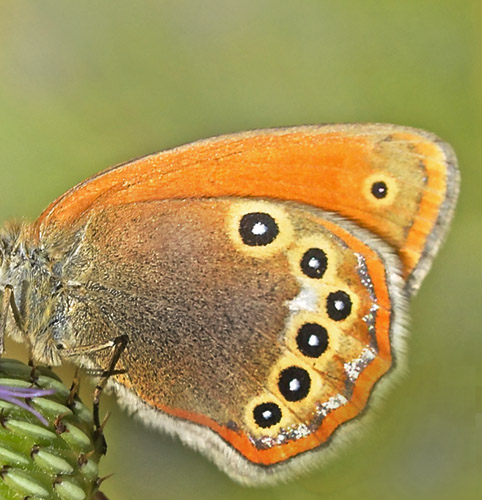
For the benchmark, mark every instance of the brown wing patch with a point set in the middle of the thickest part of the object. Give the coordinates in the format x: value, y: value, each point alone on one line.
x: 271, y: 350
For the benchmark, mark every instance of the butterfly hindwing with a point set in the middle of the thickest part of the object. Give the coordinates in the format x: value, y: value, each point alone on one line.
x: 266, y: 323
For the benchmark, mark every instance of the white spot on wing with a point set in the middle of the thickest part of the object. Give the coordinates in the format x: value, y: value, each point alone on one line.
x: 293, y: 432
x: 306, y: 300
x: 313, y: 341
x: 267, y: 414
x: 332, y: 404
x: 294, y: 385
x: 355, y: 367
x: 259, y: 229
x: 314, y: 263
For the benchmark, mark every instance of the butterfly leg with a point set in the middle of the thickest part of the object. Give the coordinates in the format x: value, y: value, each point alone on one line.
x: 74, y: 387
x: 118, y: 346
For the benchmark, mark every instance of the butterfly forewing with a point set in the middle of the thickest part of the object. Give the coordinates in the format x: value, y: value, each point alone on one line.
x: 398, y: 182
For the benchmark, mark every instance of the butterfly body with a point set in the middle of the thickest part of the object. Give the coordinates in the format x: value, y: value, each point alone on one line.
x: 258, y: 322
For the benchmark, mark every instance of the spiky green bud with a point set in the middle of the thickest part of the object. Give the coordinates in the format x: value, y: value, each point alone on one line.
x: 48, y: 447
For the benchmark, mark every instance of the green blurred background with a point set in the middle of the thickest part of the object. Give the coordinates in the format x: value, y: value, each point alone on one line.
x: 84, y: 85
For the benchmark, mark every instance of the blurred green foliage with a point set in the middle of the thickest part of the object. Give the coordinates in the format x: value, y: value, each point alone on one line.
x: 84, y: 85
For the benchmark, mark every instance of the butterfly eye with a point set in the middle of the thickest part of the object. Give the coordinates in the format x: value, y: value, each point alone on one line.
x: 314, y: 263
x: 258, y: 229
x: 379, y: 190
x: 338, y: 305
x: 312, y: 340
x: 294, y: 383
x: 267, y: 414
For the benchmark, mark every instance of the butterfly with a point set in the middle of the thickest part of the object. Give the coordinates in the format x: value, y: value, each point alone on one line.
x: 259, y: 282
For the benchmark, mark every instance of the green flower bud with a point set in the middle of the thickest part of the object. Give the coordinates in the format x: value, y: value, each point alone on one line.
x: 48, y: 446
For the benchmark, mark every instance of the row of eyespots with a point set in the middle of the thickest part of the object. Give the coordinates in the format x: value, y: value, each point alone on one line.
x: 314, y: 264
x: 294, y: 384
x: 312, y: 340
x: 261, y: 229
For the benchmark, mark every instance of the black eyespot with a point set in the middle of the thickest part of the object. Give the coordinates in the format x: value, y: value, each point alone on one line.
x: 294, y: 383
x: 312, y: 340
x: 258, y: 229
x: 379, y: 190
x: 267, y: 414
x: 314, y: 263
x: 338, y: 305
